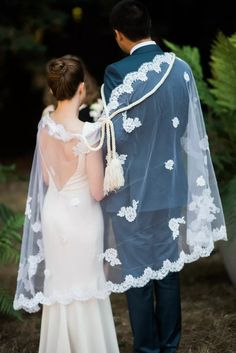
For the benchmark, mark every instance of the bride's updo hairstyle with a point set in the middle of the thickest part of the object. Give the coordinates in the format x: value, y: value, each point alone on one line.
x: 64, y: 76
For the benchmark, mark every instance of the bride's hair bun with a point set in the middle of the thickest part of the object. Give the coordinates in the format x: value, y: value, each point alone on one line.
x: 64, y: 76
x: 57, y: 67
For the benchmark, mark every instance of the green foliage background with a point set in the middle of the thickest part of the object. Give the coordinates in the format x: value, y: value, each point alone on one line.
x: 10, y: 240
x: 24, y: 27
x: 218, y: 97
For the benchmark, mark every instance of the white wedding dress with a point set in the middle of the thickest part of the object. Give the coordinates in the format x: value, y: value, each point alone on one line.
x: 78, y: 321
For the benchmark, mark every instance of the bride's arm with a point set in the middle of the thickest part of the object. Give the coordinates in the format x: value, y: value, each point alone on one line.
x: 95, y: 172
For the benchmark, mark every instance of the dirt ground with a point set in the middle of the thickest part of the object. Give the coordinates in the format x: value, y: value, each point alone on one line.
x: 208, y: 304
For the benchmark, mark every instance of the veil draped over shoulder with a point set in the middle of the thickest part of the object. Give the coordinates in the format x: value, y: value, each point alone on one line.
x: 167, y: 213
x: 169, y: 210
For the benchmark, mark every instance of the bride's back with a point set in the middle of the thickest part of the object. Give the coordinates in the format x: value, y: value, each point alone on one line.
x: 58, y: 150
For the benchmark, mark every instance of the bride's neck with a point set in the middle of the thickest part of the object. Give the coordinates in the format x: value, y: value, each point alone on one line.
x: 67, y: 110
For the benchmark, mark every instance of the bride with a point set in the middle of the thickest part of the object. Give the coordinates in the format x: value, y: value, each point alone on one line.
x: 63, y: 231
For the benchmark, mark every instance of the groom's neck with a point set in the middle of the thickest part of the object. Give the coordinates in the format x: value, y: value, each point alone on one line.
x: 130, y: 44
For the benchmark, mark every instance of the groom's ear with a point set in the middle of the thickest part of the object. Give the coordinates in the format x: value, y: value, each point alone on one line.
x: 118, y: 35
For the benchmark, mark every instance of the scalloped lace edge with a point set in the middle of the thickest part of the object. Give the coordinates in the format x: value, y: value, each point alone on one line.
x: 32, y: 305
x: 139, y: 75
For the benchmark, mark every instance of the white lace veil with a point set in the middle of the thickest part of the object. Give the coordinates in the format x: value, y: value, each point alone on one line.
x: 169, y: 211
x: 56, y: 159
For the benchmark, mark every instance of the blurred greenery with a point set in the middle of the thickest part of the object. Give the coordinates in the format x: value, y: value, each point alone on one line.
x: 229, y: 203
x: 24, y: 27
x: 10, y: 239
x: 28, y: 31
x: 218, y: 96
x: 6, y: 172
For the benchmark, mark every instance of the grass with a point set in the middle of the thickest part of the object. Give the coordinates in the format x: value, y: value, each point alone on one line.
x: 208, y: 304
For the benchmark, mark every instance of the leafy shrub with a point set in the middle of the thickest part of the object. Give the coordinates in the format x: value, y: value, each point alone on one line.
x: 218, y: 97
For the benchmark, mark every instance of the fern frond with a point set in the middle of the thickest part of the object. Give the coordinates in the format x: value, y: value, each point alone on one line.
x: 6, y: 305
x: 5, y: 213
x: 229, y: 206
x: 223, y: 68
x: 10, y: 237
x: 12, y: 226
x: 10, y: 223
x: 192, y: 56
x: 8, y: 253
x: 233, y: 39
x: 6, y: 171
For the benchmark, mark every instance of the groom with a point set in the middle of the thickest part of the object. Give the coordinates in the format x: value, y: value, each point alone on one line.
x: 154, y: 309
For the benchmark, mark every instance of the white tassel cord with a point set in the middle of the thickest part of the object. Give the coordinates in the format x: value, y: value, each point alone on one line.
x: 114, y: 174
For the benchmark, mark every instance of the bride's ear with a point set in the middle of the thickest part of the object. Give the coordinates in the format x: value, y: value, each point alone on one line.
x: 81, y: 88
x: 81, y: 92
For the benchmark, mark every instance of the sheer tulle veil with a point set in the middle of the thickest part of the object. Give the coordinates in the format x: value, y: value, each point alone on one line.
x: 167, y: 213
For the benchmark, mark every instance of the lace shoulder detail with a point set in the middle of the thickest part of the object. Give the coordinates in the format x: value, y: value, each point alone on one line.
x: 55, y: 129
x: 91, y: 135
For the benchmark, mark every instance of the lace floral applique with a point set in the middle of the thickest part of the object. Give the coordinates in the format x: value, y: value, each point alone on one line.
x: 110, y: 255
x: 23, y: 275
x: 186, y: 76
x: 199, y: 236
x: 130, y: 212
x: 199, y: 231
x: 21, y: 271
x: 204, y: 207
x: 34, y: 260
x: 204, y: 144
x: 169, y: 164
x: 175, y: 122
x: 28, y: 207
x: 201, y: 181
x: 122, y: 158
x: 33, y: 263
x: 140, y: 75
x: 219, y: 233
x: 129, y: 124
x: 55, y: 129
x: 36, y: 227
x: 174, y: 224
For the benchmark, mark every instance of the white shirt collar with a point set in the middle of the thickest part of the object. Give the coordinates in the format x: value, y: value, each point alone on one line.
x: 140, y: 45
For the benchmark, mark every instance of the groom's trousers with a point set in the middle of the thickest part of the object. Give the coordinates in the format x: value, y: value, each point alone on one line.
x: 155, y: 315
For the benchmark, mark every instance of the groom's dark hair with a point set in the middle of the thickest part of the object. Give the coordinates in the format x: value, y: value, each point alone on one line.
x: 132, y: 19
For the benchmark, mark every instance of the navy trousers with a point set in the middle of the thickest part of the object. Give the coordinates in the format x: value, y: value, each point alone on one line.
x: 155, y: 315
